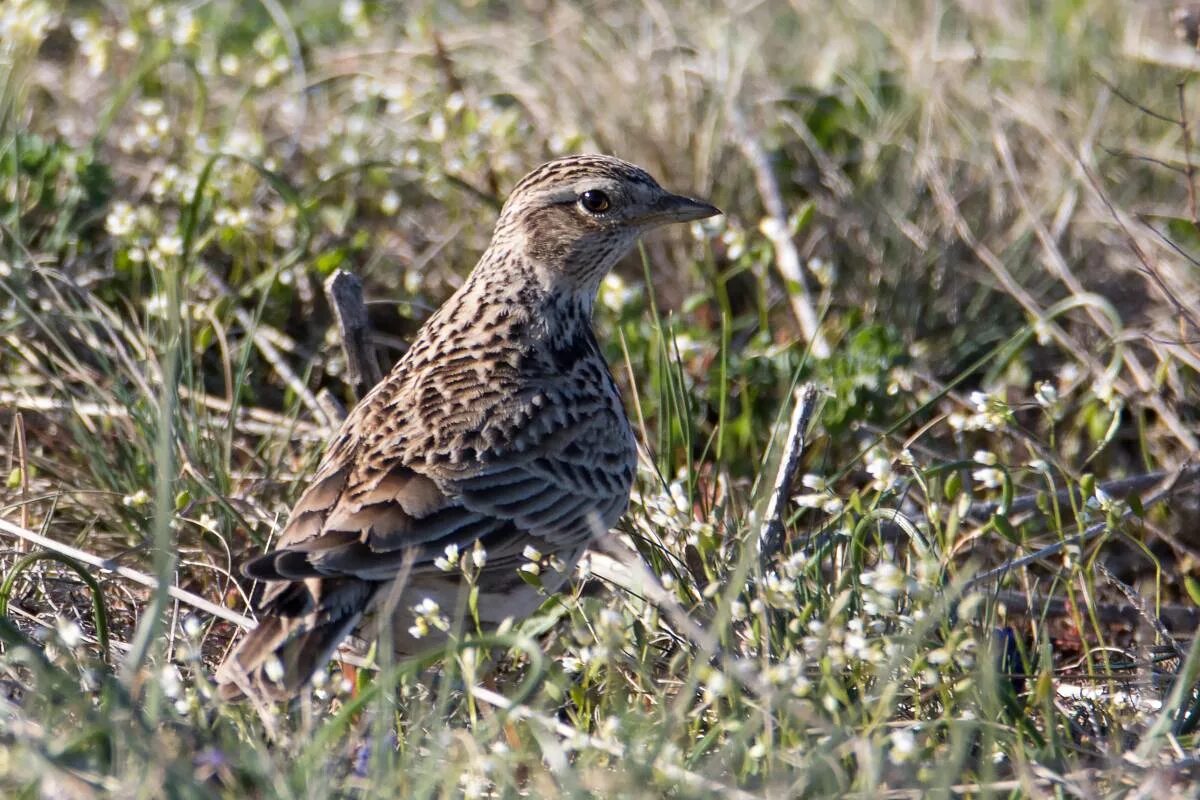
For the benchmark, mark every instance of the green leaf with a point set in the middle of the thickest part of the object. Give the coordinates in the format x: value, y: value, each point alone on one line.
x: 1005, y: 528
x: 1135, y: 505
x: 1193, y: 588
x: 1184, y: 233
x: 1087, y: 485
x: 533, y: 580
x: 953, y: 486
x: 330, y: 260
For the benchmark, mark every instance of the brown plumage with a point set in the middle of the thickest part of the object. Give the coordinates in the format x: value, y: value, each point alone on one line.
x: 501, y: 425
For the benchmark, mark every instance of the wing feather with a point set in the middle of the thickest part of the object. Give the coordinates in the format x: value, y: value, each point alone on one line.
x: 358, y: 522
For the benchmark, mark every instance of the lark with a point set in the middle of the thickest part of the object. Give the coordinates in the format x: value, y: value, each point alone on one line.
x: 499, y: 434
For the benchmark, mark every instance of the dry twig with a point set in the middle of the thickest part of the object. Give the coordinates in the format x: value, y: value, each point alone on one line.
x: 787, y: 259
x: 345, y: 292
x: 770, y: 536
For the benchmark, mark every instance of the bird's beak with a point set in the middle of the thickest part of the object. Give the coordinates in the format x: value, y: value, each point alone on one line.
x: 677, y: 208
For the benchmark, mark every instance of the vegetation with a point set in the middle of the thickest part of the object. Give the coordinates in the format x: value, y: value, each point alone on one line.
x: 988, y: 573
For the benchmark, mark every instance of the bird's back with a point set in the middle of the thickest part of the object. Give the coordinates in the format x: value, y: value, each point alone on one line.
x: 496, y: 427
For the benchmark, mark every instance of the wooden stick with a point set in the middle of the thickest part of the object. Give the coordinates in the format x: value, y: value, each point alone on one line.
x: 770, y: 536
x: 345, y: 292
x: 787, y: 259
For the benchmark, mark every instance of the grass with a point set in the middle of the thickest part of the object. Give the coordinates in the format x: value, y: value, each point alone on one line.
x: 988, y: 210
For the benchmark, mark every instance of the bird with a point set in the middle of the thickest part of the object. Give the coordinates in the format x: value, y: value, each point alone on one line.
x: 500, y: 434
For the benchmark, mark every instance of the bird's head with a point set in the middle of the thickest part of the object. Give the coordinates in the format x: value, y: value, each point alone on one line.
x: 574, y: 218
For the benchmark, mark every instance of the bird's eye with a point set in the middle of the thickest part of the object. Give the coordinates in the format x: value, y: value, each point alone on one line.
x: 594, y: 201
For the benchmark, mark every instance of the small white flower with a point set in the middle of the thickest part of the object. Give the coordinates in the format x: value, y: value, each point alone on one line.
x: 427, y: 607
x: 69, y: 633
x: 989, y: 477
x: 822, y: 270
x: 478, y: 555
x: 169, y: 244
x: 449, y: 561
x: 390, y: 202
x: 615, y: 293
x: 437, y: 128
x: 772, y: 228
x: 351, y: 11
x: 904, y: 744
x: 274, y: 669
x: 120, y: 219
x: 186, y: 29
x: 138, y: 499
x: 1106, y: 502
x: 815, y: 483
x: 855, y: 644
x: 879, y: 467
x: 1041, y: 329
x: 1045, y: 394
x: 171, y: 681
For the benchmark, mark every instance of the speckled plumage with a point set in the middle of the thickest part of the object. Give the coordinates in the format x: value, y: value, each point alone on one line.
x: 501, y: 424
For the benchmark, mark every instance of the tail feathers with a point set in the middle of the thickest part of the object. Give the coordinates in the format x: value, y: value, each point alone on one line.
x: 276, y: 659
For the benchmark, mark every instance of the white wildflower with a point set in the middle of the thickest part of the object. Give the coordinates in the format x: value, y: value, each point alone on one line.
x: 449, y: 561
x: 274, y: 669
x: 138, y: 499
x: 390, y: 202
x: 120, y: 219
x: 904, y: 745
x: 1045, y: 394
x: 69, y: 633
x: 171, y: 681
x: 989, y: 477
x: 169, y: 245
